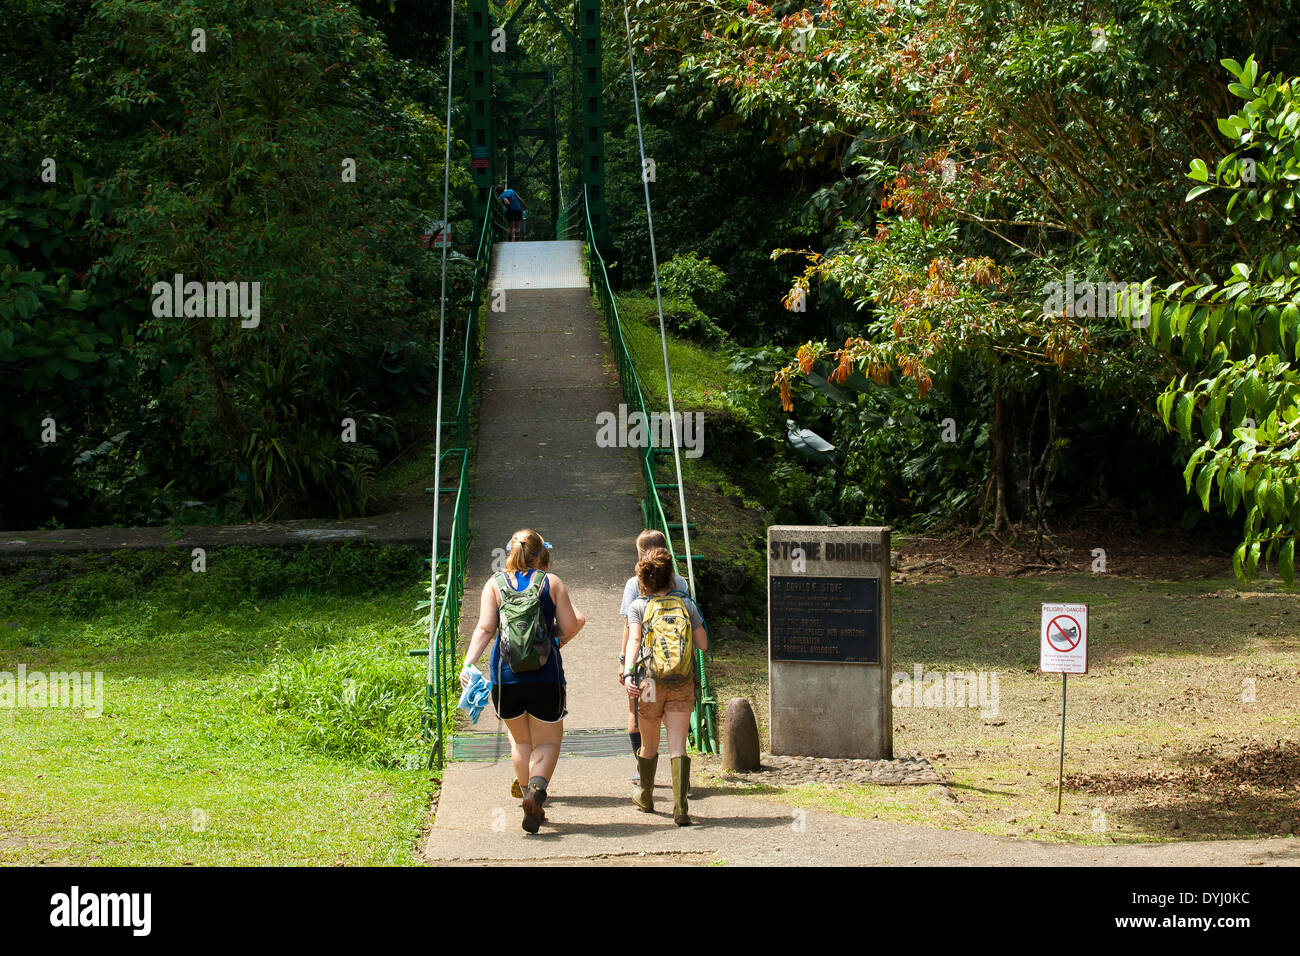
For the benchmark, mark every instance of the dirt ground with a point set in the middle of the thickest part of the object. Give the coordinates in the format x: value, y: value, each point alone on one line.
x: 1159, y: 555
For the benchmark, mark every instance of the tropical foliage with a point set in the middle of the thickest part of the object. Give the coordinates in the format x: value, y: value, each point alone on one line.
x: 143, y: 150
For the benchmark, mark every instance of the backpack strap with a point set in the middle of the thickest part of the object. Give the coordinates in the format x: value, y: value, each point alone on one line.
x: 532, y: 580
x: 537, y: 581
x: 503, y: 587
x: 503, y: 582
x: 688, y: 601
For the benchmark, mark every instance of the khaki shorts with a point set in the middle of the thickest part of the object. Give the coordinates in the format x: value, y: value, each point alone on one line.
x: 671, y: 700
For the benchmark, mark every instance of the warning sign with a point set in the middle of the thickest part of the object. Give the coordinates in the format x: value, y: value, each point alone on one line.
x: 1063, y: 648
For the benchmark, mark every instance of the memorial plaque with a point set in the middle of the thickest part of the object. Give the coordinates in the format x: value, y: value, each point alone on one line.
x: 828, y: 642
x: 826, y: 619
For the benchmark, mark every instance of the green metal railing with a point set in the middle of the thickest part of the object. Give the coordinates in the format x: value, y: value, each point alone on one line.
x: 704, y: 717
x: 443, y: 688
x: 567, y: 224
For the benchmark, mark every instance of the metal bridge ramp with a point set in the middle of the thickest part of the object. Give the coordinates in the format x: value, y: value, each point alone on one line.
x: 538, y: 265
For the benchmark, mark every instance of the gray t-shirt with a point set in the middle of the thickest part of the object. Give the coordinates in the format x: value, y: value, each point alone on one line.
x: 632, y: 590
x: 637, y: 611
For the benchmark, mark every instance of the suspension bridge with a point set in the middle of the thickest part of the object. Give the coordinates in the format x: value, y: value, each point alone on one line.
x: 518, y: 449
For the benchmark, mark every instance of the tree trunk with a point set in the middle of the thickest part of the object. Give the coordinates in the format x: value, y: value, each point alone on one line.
x: 232, y: 426
x: 1001, y: 453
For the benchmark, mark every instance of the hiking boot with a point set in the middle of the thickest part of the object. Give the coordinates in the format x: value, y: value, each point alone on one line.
x: 534, y: 815
x: 644, y: 798
x: 681, y: 787
x: 514, y: 789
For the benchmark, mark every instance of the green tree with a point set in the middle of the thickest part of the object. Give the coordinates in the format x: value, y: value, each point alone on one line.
x: 222, y: 162
x: 964, y: 156
x: 1240, y: 338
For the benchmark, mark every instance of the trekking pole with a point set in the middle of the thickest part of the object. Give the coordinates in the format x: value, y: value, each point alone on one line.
x: 636, y: 701
x: 638, y: 671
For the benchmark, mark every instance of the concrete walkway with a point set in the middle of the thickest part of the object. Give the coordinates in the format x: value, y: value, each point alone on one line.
x: 538, y: 265
x: 539, y: 467
x: 590, y: 820
x: 545, y: 379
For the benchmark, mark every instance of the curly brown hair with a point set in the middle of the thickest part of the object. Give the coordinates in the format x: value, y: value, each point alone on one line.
x: 654, y: 571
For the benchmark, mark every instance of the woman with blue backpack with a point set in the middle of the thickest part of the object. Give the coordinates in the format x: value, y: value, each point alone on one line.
x: 531, y: 615
x: 664, y: 629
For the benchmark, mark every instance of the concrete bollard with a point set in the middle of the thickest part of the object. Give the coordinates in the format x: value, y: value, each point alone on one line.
x: 740, y: 749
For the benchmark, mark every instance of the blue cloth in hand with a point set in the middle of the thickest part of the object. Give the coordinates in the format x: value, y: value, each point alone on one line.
x: 475, y: 697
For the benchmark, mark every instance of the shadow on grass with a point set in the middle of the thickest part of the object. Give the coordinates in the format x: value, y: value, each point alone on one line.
x: 1207, y: 794
x: 982, y: 790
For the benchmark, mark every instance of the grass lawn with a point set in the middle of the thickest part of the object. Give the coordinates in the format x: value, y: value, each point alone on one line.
x: 263, y: 712
x: 1184, y: 728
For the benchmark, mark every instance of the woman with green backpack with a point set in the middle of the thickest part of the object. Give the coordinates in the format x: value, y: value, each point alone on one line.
x: 532, y: 616
x: 664, y: 629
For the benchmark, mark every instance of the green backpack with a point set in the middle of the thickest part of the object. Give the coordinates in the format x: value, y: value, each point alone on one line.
x: 525, y: 637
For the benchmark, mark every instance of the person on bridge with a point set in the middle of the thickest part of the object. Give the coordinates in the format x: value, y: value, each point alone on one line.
x: 528, y: 687
x: 514, y: 207
x: 664, y: 680
x: 645, y: 541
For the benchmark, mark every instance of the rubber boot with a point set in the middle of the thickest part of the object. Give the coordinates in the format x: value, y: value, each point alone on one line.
x: 644, y: 798
x: 681, y: 787
x: 635, y: 737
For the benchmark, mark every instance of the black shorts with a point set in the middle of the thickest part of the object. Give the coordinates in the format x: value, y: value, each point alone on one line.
x: 545, y: 702
x: 514, y: 216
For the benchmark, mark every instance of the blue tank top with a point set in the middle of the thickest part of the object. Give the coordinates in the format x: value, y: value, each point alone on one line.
x: 553, y: 671
x: 512, y: 199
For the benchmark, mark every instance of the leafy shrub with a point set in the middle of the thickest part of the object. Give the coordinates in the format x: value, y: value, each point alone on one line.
x: 683, y: 318
x: 345, y: 570
x: 692, y: 276
x: 356, y: 703
x: 701, y: 288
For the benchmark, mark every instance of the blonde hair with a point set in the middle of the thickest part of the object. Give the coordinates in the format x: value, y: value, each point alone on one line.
x: 526, y: 547
x: 650, y: 539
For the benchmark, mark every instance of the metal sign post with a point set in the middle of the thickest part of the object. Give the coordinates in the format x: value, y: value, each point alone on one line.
x: 1060, y: 772
x: 1063, y: 649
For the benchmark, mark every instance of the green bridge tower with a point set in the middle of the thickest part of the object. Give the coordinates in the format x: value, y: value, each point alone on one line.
x: 583, y: 36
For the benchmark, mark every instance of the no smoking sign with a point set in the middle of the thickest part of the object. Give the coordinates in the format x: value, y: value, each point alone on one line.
x: 1063, y: 647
